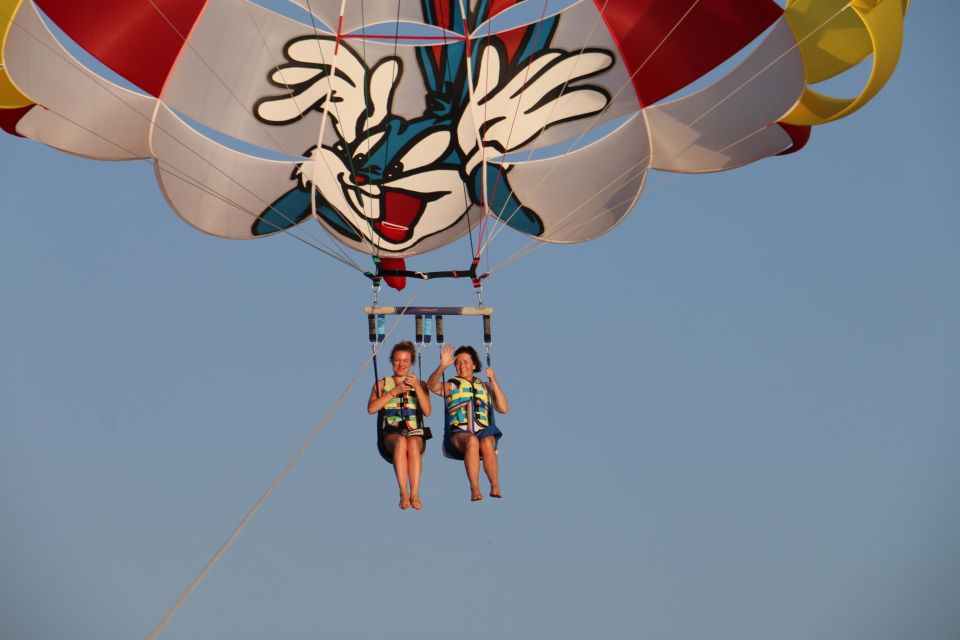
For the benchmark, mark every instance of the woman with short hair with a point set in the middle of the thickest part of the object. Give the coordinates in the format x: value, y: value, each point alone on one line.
x: 470, y: 431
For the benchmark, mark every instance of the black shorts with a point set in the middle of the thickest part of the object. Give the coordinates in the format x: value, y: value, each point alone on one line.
x: 400, y: 430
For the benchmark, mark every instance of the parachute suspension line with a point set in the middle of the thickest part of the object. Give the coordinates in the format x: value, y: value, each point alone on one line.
x: 338, y: 247
x: 320, y: 246
x: 269, y: 491
x: 396, y: 40
x: 448, y: 75
x: 796, y: 45
x: 466, y: 194
x: 564, y: 221
x: 525, y: 251
x: 513, y: 121
x: 336, y: 109
x: 673, y: 175
x: 236, y: 98
x: 263, y: 129
x: 485, y: 204
x: 626, y: 84
x: 482, y: 129
x: 743, y: 84
x: 503, y: 222
x: 485, y: 248
x: 368, y: 205
x: 473, y: 112
x: 342, y: 259
x: 474, y: 258
x: 376, y: 237
x: 323, y: 118
x: 535, y: 244
x: 466, y: 197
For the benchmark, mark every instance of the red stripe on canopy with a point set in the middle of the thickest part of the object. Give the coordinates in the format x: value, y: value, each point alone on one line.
x: 139, y: 39
x: 799, y: 136
x: 674, y: 42
x: 10, y: 117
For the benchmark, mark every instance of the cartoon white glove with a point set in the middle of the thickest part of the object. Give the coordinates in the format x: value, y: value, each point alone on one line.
x: 512, y: 111
x: 307, y: 76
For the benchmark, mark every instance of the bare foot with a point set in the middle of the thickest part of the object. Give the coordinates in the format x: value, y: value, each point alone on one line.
x: 404, y: 502
x: 415, y: 502
x: 475, y: 495
x: 495, y: 491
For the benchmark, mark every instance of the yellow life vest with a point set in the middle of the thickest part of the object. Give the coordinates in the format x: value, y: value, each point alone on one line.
x: 459, y: 400
x: 401, y: 409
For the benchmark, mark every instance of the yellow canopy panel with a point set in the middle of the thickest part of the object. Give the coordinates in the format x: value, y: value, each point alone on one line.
x: 10, y: 96
x: 833, y: 37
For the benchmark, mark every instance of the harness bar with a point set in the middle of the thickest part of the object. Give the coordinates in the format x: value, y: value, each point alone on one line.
x: 429, y: 311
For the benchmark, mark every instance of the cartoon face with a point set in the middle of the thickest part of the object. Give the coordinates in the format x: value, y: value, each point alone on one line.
x: 388, y: 182
x: 396, y: 184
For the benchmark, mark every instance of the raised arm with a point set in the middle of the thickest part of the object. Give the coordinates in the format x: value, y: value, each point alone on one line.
x: 435, y: 382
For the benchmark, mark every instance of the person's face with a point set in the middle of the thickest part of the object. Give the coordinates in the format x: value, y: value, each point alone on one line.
x: 401, y: 363
x: 464, y: 365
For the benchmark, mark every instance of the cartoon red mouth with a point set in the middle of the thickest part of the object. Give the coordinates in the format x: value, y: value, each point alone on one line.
x: 400, y: 214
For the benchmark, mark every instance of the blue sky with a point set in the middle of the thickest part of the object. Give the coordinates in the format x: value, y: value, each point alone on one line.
x: 734, y: 417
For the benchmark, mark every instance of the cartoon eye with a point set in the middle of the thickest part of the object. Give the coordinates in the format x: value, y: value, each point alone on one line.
x: 358, y: 160
x: 423, y: 153
x: 395, y: 170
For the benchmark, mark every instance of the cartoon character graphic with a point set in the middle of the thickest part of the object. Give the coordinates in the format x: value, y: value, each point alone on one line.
x: 390, y: 182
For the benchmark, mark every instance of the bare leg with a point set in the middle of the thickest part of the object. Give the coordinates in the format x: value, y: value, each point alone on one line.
x: 397, y: 445
x: 469, y: 446
x: 414, y: 465
x: 471, y: 460
x: 488, y: 450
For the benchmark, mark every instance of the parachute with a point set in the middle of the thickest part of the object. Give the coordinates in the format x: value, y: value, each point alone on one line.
x: 402, y: 126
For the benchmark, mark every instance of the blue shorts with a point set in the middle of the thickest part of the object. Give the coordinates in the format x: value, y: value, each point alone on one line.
x: 450, y: 451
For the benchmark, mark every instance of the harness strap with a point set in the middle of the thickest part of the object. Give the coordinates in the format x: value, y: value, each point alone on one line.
x: 471, y: 273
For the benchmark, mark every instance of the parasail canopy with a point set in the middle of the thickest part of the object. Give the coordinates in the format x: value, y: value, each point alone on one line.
x: 400, y: 126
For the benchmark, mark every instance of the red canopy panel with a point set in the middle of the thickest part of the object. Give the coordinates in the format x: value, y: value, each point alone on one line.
x: 682, y: 43
x: 10, y: 117
x: 138, y: 39
x: 799, y: 135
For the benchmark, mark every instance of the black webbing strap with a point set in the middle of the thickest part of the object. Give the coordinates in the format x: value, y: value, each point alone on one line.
x: 376, y: 335
x: 471, y: 272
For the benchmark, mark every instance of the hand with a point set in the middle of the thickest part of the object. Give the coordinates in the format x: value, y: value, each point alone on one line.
x: 446, y: 355
x: 543, y: 93
x: 401, y: 387
x: 357, y: 94
x: 490, y: 375
x: 411, y: 381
